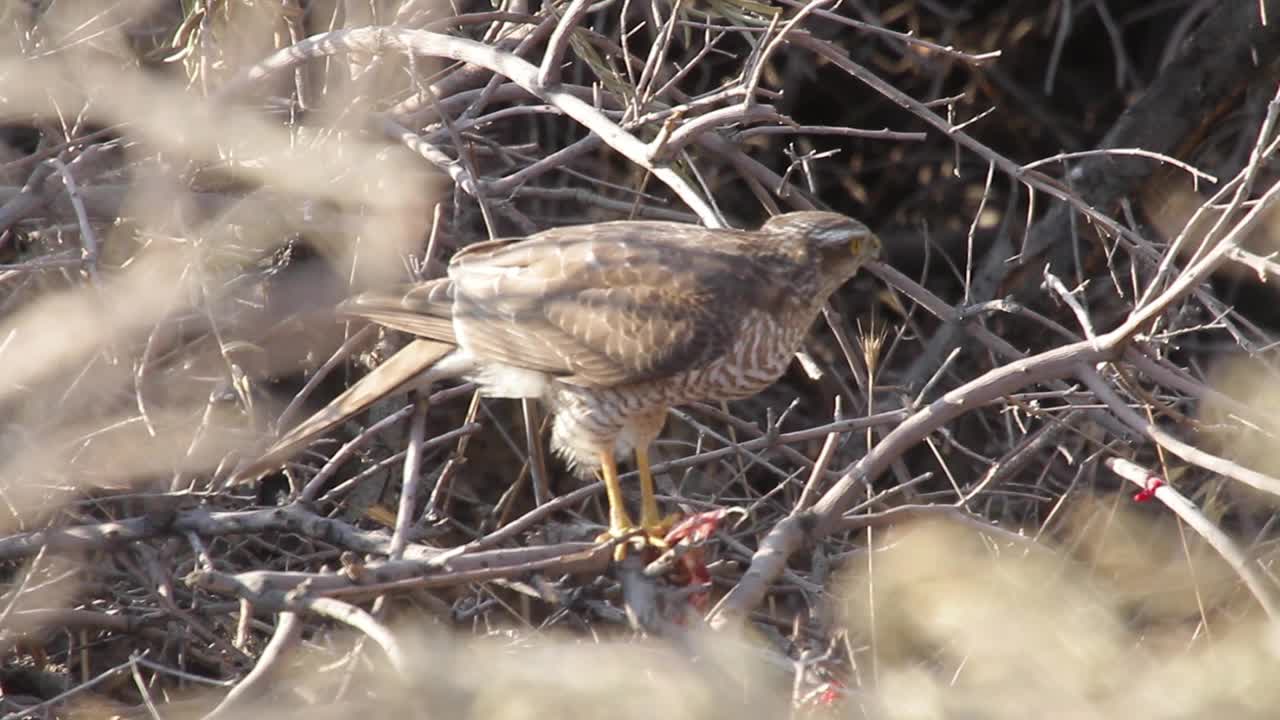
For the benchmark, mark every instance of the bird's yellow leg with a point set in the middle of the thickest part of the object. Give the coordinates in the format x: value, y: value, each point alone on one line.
x: 620, y: 522
x: 652, y: 528
x: 654, y: 524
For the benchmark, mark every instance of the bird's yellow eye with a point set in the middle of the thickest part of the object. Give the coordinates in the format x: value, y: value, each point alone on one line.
x: 864, y: 245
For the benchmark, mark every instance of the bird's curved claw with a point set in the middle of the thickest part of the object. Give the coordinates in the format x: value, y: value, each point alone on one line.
x: 650, y: 537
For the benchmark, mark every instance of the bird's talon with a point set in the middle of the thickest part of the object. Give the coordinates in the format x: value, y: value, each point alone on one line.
x: 669, y: 521
x: 641, y: 539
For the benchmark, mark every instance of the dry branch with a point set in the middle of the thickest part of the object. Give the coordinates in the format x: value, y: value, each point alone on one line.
x: 172, y: 242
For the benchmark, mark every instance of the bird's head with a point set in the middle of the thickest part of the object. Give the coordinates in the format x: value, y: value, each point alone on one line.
x: 840, y: 244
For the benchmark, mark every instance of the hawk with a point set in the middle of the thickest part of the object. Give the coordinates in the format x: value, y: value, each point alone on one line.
x: 609, y: 325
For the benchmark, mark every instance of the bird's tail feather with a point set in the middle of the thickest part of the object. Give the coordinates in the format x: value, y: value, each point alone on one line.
x: 424, y: 309
x: 417, y: 364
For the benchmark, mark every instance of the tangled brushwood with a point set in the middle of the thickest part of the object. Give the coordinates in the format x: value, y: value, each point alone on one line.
x: 1025, y: 462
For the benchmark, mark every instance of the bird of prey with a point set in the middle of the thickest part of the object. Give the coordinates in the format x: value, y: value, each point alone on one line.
x: 609, y: 325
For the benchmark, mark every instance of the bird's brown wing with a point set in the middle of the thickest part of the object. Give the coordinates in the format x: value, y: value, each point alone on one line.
x: 626, y: 303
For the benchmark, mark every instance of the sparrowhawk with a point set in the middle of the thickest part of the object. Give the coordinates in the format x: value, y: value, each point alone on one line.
x: 609, y: 325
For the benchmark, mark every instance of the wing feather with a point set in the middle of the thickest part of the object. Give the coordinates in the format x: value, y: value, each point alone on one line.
x: 633, y: 301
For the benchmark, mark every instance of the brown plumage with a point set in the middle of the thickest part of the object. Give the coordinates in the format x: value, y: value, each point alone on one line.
x: 609, y: 325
